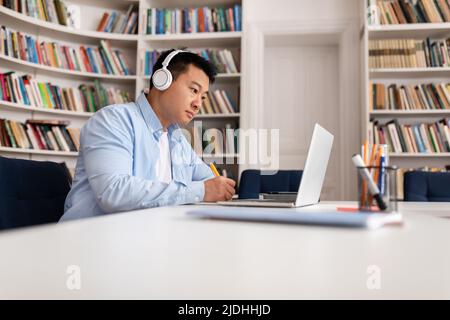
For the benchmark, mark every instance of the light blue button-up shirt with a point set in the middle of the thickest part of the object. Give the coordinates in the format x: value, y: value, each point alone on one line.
x: 115, y: 168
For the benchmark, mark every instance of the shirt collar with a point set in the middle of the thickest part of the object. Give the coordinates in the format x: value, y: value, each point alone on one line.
x: 152, y: 120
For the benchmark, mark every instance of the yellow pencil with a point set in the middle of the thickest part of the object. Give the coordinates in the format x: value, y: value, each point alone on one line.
x: 372, y: 155
x: 366, y: 152
x: 366, y: 162
x: 214, y: 170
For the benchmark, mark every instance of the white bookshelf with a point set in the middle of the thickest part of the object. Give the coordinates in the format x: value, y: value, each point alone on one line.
x: 198, y: 41
x: 406, y: 76
x: 214, y: 36
x: 132, y: 46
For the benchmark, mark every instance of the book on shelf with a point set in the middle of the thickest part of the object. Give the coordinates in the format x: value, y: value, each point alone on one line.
x: 221, y: 59
x: 25, y: 90
x: 54, y: 11
x: 217, y: 102
x: 430, y: 96
x: 74, y: 16
x: 409, y: 11
x: 409, y: 53
x: 102, y: 59
x: 213, y: 141
x: 116, y: 22
x: 149, y: 59
x: 193, y: 20
x: 412, y: 138
x: 39, y: 135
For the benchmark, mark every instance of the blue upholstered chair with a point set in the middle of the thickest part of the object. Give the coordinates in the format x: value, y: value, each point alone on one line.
x: 31, y: 192
x: 426, y: 186
x: 252, y: 182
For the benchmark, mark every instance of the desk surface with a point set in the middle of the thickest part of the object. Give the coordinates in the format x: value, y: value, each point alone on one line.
x: 162, y: 253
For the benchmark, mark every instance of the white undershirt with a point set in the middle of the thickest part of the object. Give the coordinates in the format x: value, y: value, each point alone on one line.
x: 164, y: 164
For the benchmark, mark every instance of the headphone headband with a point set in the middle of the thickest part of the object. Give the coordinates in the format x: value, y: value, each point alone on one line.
x: 170, y: 57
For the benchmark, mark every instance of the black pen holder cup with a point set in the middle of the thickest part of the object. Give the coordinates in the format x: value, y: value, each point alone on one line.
x: 385, y: 180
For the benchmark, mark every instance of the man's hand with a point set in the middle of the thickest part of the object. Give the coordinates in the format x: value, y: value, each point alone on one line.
x: 219, y: 189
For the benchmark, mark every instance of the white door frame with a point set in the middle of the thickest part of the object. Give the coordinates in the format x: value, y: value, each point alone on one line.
x: 253, y: 48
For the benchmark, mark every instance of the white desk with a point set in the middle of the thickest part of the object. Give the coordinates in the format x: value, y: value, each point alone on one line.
x: 163, y: 254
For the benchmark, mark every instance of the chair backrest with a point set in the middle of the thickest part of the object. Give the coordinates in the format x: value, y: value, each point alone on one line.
x: 31, y: 192
x: 426, y: 186
x: 252, y: 182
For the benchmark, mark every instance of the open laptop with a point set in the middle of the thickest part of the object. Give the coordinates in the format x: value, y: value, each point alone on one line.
x: 312, y: 178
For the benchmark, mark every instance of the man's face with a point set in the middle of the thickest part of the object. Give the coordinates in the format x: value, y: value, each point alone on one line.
x: 182, y: 101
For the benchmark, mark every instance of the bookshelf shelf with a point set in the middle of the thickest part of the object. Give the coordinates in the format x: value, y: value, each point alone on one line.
x: 219, y: 76
x: 26, y: 108
x: 67, y: 30
x: 409, y: 72
x: 39, y: 152
x: 412, y: 30
x: 407, y: 113
x: 420, y: 155
x: 203, y: 39
x: 217, y: 116
x: 194, y: 36
x: 67, y: 72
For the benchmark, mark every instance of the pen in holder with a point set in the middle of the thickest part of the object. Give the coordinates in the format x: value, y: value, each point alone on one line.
x: 377, y: 188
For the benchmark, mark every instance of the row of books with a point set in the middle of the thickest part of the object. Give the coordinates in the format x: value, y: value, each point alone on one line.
x: 54, y: 11
x: 430, y: 96
x: 416, y: 138
x: 217, y: 102
x: 26, y: 90
x: 39, y: 135
x: 150, y: 58
x: 102, y: 60
x: 407, y: 11
x: 192, y: 20
x: 116, y: 22
x: 222, y: 59
x: 409, y: 53
x: 214, y: 140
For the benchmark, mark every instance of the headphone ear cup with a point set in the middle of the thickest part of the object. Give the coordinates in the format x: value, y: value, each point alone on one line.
x: 162, y: 79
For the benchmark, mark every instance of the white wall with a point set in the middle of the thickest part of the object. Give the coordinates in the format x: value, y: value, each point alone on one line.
x: 293, y: 13
x: 257, y: 10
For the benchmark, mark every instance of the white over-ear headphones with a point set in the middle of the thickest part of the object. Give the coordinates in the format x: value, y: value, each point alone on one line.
x: 162, y: 78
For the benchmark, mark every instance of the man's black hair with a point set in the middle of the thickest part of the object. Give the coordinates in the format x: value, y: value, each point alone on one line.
x: 179, y: 64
